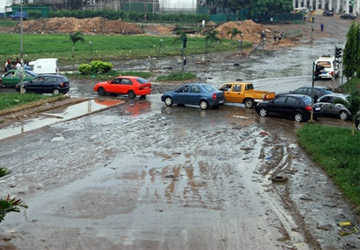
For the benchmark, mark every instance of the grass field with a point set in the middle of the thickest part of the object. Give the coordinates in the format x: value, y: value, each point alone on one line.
x: 338, y: 153
x: 10, y: 100
x: 110, y: 75
x: 104, y: 47
x: 177, y: 76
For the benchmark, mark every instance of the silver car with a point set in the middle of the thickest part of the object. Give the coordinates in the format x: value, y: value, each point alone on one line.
x: 331, y: 109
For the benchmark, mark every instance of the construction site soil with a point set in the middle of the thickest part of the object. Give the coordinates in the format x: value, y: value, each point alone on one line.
x: 98, y: 25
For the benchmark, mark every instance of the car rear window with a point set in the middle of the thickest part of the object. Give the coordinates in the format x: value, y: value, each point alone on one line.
x: 141, y: 80
x: 64, y: 79
x: 326, y: 64
x: 209, y: 88
x: 306, y: 100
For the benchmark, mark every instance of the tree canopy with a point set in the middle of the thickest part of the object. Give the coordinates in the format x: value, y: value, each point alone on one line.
x: 256, y: 7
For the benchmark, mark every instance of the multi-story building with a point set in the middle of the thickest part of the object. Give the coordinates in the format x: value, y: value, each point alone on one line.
x: 339, y: 6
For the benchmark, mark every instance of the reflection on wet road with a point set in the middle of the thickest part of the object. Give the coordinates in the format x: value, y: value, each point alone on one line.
x: 58, y: 115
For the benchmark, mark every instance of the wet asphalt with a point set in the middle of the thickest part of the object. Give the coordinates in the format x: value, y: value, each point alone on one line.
x: 144, y: 176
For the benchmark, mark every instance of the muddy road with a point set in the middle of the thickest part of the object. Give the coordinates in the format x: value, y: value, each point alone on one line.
x: 144, y: 176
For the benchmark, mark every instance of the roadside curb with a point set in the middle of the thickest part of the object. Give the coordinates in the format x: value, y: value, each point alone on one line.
x: 34, y: 104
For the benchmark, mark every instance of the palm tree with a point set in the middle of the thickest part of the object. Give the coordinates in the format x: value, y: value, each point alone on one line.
x: 352, y: 104
x: 234, y: 32
x: 74, y: 38
x: 211, y: 37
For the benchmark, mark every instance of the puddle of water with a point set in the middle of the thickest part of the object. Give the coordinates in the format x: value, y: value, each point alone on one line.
x: 48, y: 118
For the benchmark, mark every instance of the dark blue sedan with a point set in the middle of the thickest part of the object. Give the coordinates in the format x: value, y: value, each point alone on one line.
x: 195, y: 94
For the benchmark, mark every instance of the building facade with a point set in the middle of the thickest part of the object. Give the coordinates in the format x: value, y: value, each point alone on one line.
x: 339, y: 6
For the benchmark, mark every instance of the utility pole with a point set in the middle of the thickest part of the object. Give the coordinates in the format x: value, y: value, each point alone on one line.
x: 21, y: 48
x: 312, y: 93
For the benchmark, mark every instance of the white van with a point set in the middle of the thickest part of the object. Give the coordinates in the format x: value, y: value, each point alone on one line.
x: 329, y: 68
x: 45, y: 66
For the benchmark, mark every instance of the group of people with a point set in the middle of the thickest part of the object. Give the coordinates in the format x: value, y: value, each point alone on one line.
x: 278, y: 36
x: 14, y: 65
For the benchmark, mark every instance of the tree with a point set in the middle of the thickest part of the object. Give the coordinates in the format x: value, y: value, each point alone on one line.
x: 211, y: 36
x: 350, y: 57
x: 234, y: 32
x: 352, y: 104
x: 74, y: 38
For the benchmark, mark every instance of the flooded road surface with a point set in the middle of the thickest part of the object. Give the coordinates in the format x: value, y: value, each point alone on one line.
x: 57, y: 115
x: 145, y: 176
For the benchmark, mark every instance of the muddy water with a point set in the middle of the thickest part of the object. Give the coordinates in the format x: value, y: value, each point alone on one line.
x: 145, y: 176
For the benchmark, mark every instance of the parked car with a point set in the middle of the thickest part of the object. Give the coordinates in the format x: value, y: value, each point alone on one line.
x: 17, y: 15
x: 128, y: 85
x: 45, y: 66
x: 55, y: 84
x: 348, y: 16
x: 293, y: 106
x: 331, y: 109
x: 195, y: 94
x: 357, y: 120
x: 244, y: 92
x: 12, y: 77
x: 318, y: 92
x: 328, y: 13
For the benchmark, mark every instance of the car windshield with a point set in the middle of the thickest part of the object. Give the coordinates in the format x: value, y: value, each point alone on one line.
x: 209, y: 88
x: 306, y: 100
x: 141, y: 80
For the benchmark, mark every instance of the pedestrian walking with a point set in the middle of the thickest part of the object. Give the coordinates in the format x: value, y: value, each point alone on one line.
x: 322, y: 27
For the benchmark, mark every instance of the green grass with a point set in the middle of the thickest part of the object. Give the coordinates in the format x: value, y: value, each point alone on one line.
x: 10, y: 100
x: 3, y: 172
x: 8, y: 23
x: 111, y: 74
x: 104, y: 47
x: 178, y: 76
x: 338, y: 153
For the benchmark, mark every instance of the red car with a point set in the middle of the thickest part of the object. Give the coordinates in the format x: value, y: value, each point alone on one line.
x: 130, y: 85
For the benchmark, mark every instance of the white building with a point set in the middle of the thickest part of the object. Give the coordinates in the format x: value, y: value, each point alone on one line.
x: 178, y: 6
x: 5, y: 6
x: 339, y: 6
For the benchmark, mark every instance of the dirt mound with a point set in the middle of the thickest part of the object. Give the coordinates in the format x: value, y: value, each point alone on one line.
x: 88, y: 26
x: 250, y: 29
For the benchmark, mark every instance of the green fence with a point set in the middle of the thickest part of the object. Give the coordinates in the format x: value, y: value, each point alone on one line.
x: 140, y: 7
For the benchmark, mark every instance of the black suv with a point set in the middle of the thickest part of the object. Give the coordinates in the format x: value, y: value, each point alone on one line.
x: 56, y: 84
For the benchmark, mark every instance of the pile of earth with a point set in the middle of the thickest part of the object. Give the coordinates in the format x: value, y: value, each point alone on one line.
x: 251, y: 33
x: 94, y: 25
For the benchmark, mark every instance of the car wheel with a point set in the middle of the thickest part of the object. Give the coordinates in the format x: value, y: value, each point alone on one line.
x: 56, y: 92
x: 131, y: 94
x: 101, y: 91
x: 249, y: 103
x: 263, y: 112
x: 343, y: 115
x: 203, y: 104
x: 168, y: 101
x: 357, y: 124
x: 299, y: 117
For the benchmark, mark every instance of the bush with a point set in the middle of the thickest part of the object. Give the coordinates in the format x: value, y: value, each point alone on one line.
x: 34, y: 14
x: 85, y: 69
x: 131, y: 16
x: 96, y: 67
